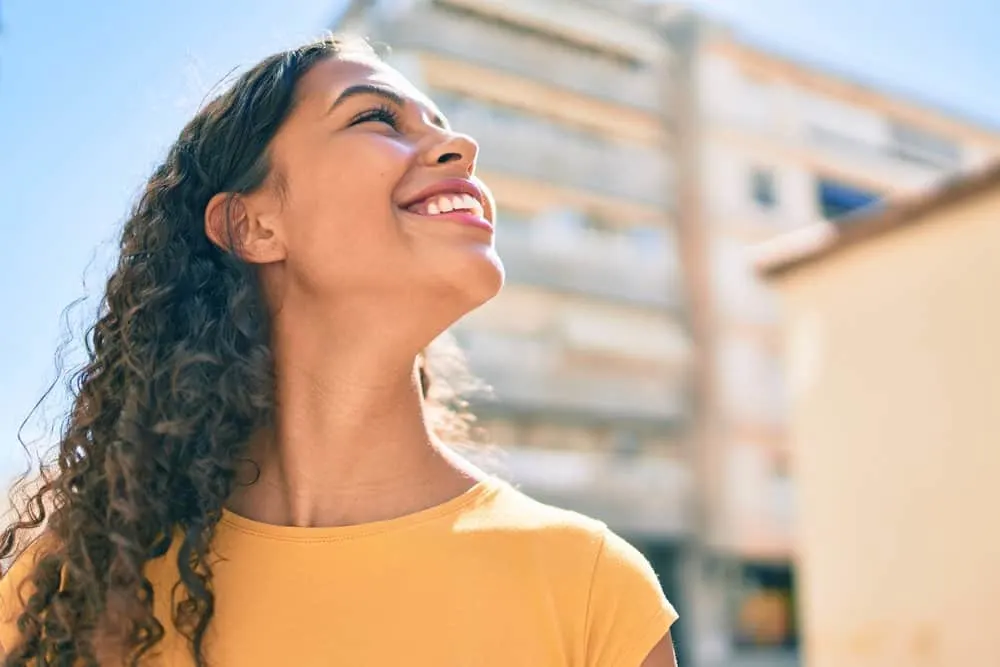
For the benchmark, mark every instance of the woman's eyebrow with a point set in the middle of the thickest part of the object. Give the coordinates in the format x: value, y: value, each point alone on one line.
x: 385, y: 93
x: 367, y: 89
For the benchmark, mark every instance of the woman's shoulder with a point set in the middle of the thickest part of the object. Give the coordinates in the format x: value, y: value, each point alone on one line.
x: 626, y: 610
x: 567, y: 535
x: 512, y: 507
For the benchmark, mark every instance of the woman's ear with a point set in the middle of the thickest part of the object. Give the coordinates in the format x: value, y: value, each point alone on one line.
x: 235, y: 223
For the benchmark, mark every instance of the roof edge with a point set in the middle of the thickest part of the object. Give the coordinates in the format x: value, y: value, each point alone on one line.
x: 783, y: 255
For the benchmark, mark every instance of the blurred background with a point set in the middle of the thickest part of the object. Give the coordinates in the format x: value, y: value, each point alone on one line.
x: 641, y: 153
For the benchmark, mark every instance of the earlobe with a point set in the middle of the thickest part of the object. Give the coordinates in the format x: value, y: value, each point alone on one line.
x: 233, y: 225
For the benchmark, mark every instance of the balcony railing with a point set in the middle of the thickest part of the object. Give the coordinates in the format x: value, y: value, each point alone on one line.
x: 642, y: 495
x: 532, y: 375
x: 520, y: 143
x: 882, y: 161
x: 766, y: 527
x: 639, y: 268
x: 472, y: 39
x: 752, y: 383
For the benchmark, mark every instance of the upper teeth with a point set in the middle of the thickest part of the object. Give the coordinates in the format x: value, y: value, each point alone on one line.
x: 453, y: 202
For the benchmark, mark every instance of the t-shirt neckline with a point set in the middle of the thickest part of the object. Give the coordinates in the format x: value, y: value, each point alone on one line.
x: 242, y: 524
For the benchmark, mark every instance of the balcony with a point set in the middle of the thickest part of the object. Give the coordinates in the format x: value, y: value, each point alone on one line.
x: 752, y: 384
x: 639, y: 267
x: 882, y: 161
x: 591, y: 28
x: 758, y: 518
x: 643, y: 496
x: 535, y: 375
x: 466, y: 36
x: 741, y: 294
x: 532, y: 147
x: 768, y: 533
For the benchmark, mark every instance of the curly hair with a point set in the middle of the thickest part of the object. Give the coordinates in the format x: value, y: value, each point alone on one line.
x: 178, y: 377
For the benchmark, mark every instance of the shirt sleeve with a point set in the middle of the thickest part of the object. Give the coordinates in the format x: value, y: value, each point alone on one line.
x: 9, y: 611
x: 13, y: 590
x: 627, y: 613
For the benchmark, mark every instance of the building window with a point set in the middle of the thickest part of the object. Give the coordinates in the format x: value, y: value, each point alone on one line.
x: 836, y: 199
x: 763, y: 188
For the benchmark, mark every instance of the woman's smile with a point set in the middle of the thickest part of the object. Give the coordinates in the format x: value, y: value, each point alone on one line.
x: 453, y: 200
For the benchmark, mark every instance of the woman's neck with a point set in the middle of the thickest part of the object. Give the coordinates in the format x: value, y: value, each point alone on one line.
x: 350, y: 444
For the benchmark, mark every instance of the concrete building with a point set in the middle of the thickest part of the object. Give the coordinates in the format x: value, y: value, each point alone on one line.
x: 894, y: 366
x: 586, y: 348
x: 635, y: 151
x: 768, y: 145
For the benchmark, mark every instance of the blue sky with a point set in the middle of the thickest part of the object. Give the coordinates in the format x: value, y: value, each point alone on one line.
x: 91, y: 95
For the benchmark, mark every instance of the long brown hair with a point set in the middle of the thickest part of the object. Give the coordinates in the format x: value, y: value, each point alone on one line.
x: 178, y: 376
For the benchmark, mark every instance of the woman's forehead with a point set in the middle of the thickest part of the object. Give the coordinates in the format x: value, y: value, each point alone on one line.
x: 328, y: 79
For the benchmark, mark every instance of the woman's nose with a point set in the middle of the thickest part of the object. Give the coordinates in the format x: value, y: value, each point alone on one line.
x: 455, y: 147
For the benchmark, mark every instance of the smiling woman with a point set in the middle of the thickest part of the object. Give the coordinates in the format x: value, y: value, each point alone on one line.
x: 254, y: 471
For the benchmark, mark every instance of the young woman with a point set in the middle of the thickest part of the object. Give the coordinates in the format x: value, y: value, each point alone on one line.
x: 252, y: 473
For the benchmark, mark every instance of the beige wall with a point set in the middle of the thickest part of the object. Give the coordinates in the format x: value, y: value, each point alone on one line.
x: 895, y: 369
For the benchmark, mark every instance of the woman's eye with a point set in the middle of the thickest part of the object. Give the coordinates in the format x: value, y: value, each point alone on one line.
x: 378, y: 115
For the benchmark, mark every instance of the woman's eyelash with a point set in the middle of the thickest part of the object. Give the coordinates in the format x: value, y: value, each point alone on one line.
x: 380, y: 114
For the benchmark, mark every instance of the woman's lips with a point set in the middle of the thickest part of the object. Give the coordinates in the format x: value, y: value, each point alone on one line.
x: 449, y: 195
x: 458, y: 207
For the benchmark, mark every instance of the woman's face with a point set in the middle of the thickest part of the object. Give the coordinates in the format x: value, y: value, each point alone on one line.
x: 375, y: 210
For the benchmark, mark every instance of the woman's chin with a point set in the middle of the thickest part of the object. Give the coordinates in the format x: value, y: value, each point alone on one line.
x: 479, y: 276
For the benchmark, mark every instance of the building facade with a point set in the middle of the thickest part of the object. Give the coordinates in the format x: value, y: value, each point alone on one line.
x: 770, y: 145
x: 586, y: 348
x: 896, y: 450
x: 636, y: 151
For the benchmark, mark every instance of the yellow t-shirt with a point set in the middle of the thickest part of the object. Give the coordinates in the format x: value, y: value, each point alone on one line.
x: 490, y: 578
